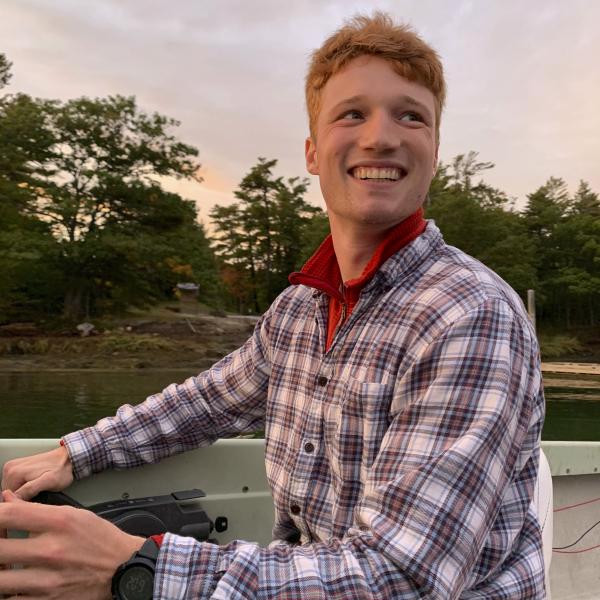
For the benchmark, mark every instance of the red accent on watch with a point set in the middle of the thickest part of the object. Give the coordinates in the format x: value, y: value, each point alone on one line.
x: 158, y: 539
x: 62, y: 443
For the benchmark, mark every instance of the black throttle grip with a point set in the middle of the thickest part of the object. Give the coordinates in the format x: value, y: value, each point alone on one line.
x: 56, y: 499
x: 147, y: 516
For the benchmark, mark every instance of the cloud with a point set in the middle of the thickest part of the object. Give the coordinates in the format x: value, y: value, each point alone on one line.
x: 523, y: 82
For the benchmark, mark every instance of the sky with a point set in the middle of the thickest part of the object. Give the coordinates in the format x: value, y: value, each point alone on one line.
x: 523, y: 77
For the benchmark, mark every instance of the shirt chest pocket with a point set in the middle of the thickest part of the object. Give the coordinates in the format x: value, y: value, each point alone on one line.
x: 356, y: 421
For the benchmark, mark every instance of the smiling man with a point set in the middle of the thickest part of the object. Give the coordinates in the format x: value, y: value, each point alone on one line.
x: 397, y: 380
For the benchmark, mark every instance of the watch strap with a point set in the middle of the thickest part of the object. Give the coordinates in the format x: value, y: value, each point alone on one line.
x: 148, y: 550
x: 145, y: 558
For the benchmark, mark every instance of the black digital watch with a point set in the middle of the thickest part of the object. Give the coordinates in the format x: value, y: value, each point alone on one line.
x: 134, y: 579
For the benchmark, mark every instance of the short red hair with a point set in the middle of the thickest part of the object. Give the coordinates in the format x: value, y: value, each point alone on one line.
x: 379, y: 36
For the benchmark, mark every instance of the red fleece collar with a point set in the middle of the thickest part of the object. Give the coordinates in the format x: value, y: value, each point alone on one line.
x: 322, y: 272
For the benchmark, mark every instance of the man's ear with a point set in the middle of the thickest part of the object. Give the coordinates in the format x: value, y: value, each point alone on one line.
x: 310, y: 153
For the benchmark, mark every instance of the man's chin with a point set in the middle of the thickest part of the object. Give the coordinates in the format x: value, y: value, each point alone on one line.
x: 383, y: 221
x: 378, y: 215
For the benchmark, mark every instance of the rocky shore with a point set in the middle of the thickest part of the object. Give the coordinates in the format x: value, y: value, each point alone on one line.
x: 151, y: 341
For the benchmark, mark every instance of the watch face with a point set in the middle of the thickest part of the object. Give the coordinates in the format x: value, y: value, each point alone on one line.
x: 136, y: 583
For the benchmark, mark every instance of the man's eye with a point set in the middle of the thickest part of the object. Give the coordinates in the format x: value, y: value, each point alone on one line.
x: 412, y: 116
x: 352, y: 114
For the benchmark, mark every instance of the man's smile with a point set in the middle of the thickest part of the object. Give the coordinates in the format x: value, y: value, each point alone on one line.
x: 378, y: 173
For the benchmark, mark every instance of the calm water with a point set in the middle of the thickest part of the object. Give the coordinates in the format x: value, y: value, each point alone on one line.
x: 46, y: 405
x: 50, y: 404
x: 572, y: 409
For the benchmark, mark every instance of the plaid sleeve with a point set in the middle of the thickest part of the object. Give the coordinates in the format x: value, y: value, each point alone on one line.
x: 458, y: 452
x: 222, y: 402
x: 448, y: 497
x: 189, y: 570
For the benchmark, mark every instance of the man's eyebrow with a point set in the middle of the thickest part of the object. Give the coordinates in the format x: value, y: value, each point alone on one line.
x: 403, y: 99
x: 414, y: 102
x: 346, y: 101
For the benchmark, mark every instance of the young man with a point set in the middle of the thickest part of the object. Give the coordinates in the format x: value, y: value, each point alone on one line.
x: 397, y: 380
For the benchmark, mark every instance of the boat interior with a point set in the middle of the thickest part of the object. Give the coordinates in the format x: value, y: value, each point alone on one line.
x: 235, y: 496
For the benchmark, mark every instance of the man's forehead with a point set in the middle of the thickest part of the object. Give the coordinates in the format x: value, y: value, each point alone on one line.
x: 366, y: 75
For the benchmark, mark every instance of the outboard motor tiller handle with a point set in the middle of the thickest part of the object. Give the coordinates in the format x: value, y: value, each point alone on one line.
x: 147, y: 516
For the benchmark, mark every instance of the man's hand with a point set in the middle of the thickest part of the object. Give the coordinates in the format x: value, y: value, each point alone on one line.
x: 49, y: 471
x: 71, y: 554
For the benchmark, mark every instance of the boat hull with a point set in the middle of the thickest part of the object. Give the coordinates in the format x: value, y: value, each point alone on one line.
x: 232, y: 474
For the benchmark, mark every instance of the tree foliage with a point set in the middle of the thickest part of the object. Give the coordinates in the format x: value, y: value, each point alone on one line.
x: 552, y: 246
x: 86, y: 225
x: 5, y: 73
x: 475, y: 218
x: 261, y: 236
x: 566, y: 233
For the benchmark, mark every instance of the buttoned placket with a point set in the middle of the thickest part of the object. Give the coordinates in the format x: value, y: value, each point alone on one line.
x: 310, y: 446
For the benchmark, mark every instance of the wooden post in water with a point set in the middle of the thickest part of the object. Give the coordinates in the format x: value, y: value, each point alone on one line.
x: 531, y: 305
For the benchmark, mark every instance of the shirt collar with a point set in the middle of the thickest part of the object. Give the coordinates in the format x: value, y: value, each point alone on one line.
x: 322, y: 271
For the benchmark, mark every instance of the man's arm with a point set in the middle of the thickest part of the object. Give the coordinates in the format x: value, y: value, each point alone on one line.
x: 460, y: 451
x: 73, y: 553
x: 224, y: 401
x: 180, y: 418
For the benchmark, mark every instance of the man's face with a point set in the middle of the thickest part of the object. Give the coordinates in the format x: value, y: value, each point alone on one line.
x: 375, y: 150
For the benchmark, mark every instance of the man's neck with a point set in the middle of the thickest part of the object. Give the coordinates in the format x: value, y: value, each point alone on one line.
x: 354, y: 248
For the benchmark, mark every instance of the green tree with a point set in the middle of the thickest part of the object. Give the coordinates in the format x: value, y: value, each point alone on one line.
x: 315, y: 231
x: 25, y: 241
x: 84, y: 178
x: 573, y: 280
x: 235, y: 245
x: 293, y: 220
x: 100, y: 191
x: 262, y: 234
x: 586, y: 201
x: 106, y: 157
x: 546, y: 208
x: 5, y: 73
x: 464, y: 168
x: 475, y: 217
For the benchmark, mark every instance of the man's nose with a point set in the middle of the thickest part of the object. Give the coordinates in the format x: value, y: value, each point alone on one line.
x: 379, y: 133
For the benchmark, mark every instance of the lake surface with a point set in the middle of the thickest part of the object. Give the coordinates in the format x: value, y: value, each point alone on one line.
x: 50, y: 404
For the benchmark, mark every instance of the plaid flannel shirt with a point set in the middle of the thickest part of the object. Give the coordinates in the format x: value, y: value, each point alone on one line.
x: 402, y: 461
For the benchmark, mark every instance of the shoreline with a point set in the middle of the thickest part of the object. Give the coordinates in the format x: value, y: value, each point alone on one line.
x: 571, y: 368
x: 162, y: 341
x: 168, y: 339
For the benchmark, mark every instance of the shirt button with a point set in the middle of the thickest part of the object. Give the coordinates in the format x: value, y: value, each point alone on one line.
x: 295, y: 509
x: 309, y: 447
x: 322, y: 381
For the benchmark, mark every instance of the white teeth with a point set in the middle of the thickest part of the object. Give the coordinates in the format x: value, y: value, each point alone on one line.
x: 377, y: 173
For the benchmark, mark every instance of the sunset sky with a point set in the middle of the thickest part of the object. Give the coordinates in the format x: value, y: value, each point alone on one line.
x: 523, y: 77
